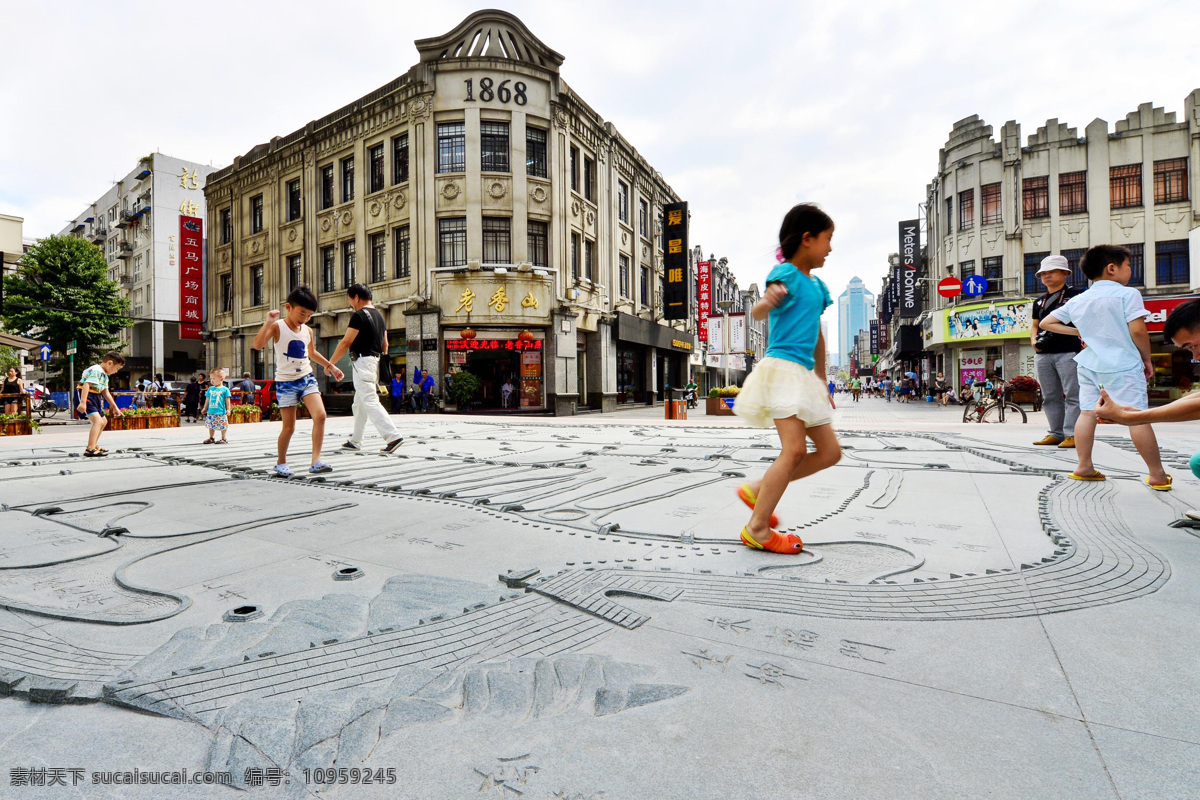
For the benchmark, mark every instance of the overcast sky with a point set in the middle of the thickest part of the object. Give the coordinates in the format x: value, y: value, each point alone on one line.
x: 746, y: 108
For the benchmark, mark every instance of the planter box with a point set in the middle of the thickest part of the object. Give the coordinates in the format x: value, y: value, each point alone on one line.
x: 1032, y: 397
x: 139, y: 422
x: 16, y: 427
x: 719, y: 406
x: 254, y: 415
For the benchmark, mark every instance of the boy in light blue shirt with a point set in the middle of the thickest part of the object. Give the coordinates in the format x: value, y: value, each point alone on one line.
x: 1110, y: 317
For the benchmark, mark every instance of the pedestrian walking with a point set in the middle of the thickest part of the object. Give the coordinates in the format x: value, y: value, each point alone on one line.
x: 397, y: 392
x: 1054, y: 356
x: 887, y: 388
x: 295, y: 383
x: 247, y: 389
x: 1111, y: 318
x: 939, y: 389
x: 191, y: 401
x: 13, y: 385
x: 93, y: 387
x: 784, y: 389
x: 855, y: 388
x: 217, y: 399
x: 366, y: 341
x: 158, y: 390
x: 422, y: 388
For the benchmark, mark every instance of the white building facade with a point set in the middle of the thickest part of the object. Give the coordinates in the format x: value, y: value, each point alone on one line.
x: 136, y: 224
x: 505, y: 229
x: 997, y: 207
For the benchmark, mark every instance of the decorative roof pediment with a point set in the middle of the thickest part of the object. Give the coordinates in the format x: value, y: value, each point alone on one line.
x: 490, y: 34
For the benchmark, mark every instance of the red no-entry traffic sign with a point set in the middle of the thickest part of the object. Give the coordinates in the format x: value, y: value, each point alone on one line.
x: 949, y: 287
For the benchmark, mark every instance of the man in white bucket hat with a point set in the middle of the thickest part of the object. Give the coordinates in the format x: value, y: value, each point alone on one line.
x: 1055, y: 355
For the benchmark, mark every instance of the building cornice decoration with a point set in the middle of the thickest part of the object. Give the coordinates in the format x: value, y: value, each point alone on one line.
x: 490, y: 34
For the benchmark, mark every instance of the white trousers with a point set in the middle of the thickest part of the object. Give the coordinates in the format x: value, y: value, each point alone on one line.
x: 366, y: 402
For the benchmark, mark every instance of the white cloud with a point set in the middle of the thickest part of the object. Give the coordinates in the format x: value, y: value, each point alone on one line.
x: 745, y: 108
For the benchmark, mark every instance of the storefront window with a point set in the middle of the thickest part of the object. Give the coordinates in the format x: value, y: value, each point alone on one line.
x: 509, y: 370
x: 631, y: 376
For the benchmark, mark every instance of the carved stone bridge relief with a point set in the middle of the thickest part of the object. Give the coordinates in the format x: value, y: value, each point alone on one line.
x: 512, y: 573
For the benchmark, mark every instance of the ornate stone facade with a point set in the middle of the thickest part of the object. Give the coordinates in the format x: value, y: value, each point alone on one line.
x: 476, y: 190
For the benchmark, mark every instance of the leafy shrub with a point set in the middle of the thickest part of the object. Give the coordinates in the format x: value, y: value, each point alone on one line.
x: 1023, y: 383
x: 464, y: 389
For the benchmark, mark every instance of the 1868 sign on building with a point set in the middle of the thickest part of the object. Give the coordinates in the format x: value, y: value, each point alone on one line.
x: 677, y: 277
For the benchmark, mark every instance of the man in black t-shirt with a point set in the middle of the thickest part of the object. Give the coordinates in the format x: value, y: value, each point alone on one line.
x: 1055, y: 355
x: 366, y: 341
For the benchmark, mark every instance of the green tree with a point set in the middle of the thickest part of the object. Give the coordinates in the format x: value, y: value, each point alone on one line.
x: 8, y: 358
x: 61, y: 292
x: 843, y: 375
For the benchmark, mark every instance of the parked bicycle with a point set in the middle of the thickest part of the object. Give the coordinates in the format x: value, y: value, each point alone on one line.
x: 998, y: 409
x: 44, y: 405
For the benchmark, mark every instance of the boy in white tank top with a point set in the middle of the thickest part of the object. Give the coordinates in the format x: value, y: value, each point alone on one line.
x: 295, y: 382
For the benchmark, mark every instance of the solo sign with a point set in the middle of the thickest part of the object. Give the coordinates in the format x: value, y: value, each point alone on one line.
x: 910, y: 265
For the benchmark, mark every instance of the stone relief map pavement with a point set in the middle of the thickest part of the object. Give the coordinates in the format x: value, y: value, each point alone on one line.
x: 531, y: 610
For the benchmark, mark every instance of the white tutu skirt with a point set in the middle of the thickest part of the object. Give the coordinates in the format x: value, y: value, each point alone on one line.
x: 777, y: 388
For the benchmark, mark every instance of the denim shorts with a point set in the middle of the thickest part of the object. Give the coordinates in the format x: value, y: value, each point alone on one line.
x: 290, y: 393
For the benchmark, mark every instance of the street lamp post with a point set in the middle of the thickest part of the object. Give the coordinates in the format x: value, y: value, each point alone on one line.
x: 725, y: 305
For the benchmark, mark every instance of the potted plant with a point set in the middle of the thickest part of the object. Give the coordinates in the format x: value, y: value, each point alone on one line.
x: 244, y: 413
x: 273, y: 413
x: 464, y: 389
x: 15, y: 425
x: 1024, y: 389
x: 720, y: 401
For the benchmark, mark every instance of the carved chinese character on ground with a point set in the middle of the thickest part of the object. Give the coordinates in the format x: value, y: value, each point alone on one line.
x: 866, y: 652
x: 768, y: 673
x: 708, y: 657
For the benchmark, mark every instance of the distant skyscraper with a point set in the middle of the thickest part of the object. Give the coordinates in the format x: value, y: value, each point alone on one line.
x: 854, y: 311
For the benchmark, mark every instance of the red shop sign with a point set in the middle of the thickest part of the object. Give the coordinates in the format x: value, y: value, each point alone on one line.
x: 493, y: 344
x: 1161, y: 308
x: 191, y: 277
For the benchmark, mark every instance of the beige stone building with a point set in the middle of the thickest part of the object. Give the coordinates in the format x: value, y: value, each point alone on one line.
x: 998, y: 206
x: 476, y: 191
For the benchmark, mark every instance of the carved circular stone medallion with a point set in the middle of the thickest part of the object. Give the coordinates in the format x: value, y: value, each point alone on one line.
x: 575, y: 208
x: 292, y: 235
x: 497, y: 189
x: 399, y: 201
x: 347, y: 217
x: 375, y: 208
x: 325, y: 224
x: 538, y: 194
x: 450, y: 190
x: 591, y: 218
x: 255, y: 246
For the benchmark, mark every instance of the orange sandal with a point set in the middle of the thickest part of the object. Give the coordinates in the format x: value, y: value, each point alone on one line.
x: 747, y: 496
x: 787, y: 543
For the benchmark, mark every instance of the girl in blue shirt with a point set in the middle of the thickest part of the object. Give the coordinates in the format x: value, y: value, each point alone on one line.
x: 786, y: 388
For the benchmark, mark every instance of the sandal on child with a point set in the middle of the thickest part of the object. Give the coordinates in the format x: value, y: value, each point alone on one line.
x: 90, y: 453
x: 787, y: 543
x: 282, y: 471
x: 222, y: 441
x: 209, y: 440
x: 1095, y: 476
x: 747, y: 496
x: 1159, y: 487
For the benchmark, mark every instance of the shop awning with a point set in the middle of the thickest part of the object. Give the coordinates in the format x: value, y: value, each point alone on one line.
x: 19, y: 342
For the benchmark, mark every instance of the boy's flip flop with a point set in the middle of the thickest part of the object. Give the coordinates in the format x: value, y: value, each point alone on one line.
x: 1159, y: 487
x: 787, y: 543
x: 749, y: 498
x: 1095, y: 476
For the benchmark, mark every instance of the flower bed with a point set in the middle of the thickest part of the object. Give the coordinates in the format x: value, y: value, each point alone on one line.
x: 246, y: 413
x: 15, y: 425
x: 137, y: 419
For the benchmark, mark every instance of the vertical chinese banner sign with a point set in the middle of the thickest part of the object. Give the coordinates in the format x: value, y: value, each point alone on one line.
x: 191, y: 277
x: 704, y: 298
x: 677, y: 277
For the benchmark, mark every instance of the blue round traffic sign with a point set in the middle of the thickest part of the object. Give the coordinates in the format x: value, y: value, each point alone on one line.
x: 975, y: 285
